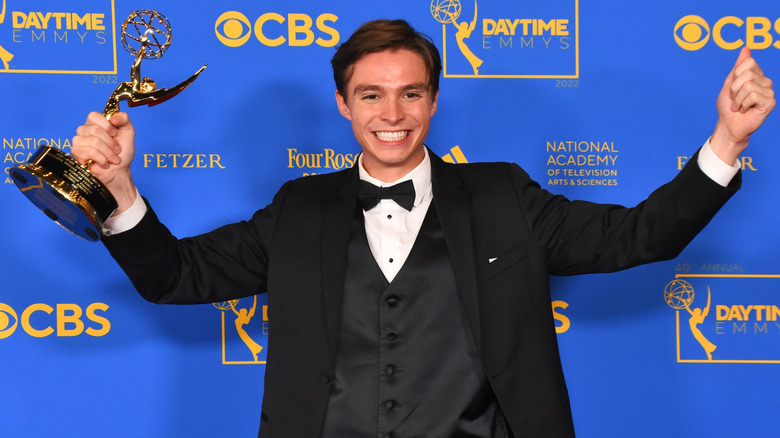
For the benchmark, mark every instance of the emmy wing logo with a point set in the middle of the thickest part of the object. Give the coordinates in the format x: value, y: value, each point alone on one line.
x: 244, y: 332
x: 737, y: 321
x: 679, y: 295
x: 494, y: 39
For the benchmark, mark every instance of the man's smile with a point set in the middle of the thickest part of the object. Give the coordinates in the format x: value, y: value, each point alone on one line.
x: 391, y: 136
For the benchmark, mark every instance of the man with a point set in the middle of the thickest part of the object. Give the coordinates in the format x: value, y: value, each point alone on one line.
x: 429, y: 315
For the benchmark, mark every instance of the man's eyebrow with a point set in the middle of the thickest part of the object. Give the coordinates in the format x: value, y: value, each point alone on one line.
x: 362, y: 88
x: 418, y: 86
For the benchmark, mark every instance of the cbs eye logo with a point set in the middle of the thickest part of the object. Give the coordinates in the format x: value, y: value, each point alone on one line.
x: 692, y: 33
x: 6, y: 315
x: 234, y: 29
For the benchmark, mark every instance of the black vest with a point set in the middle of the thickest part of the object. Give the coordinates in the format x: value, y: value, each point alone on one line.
x: 407, y: 365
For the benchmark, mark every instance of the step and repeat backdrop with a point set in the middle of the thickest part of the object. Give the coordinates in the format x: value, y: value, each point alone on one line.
x: 602, y: 101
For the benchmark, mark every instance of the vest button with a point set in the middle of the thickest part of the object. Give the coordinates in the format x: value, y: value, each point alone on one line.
x: 389, y: 370
x: 389, y: 405
x: 324, y: 378
x: 392, y: 300
x: 391, y: 337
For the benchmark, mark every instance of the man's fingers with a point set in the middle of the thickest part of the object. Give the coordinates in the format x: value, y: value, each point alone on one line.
x: 747, y: 86
x: 760, y: 100
x: 743, y: 55
x: 89, y: 131
x: 92, y: 147
x: 94, y: 142
x: 742, y: 71
x: 95, y: 118
x: 117, y: 122
x: 749, y: 64
x: 749, y: 82
x: 120, y: 120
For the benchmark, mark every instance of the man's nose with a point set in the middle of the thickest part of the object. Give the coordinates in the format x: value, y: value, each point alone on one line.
x: 393, y: 111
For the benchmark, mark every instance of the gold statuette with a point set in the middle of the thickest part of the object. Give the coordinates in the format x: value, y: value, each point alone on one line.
x: 65, y: 190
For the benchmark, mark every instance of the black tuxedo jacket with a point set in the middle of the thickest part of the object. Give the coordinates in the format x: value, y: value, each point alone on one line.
x: 505, y: 236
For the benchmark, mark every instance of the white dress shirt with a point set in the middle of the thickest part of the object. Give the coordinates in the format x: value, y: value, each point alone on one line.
x: 391, y: 229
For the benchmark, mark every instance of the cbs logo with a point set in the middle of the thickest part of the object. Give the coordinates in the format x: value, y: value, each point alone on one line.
x: 693, y: 32
x: 233, y: 29
x: 37, y: 320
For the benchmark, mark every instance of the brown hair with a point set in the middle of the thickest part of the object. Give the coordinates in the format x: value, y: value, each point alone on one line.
x: 378, y: 36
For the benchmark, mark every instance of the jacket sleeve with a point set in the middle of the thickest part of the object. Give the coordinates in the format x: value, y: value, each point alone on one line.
x: 583, y: 237
x: 228, y: 263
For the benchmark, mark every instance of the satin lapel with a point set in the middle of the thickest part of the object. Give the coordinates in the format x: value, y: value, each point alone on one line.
x: 339, y: 210
x: 453, y: 204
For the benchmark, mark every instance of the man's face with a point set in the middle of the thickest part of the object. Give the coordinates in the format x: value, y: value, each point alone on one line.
x: 390, y: 106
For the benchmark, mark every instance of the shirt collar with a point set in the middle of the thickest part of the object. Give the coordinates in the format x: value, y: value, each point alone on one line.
x: 420, y: 176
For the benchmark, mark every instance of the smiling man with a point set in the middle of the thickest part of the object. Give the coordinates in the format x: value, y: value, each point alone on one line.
x: 427, y: 311
x: 389, y: 101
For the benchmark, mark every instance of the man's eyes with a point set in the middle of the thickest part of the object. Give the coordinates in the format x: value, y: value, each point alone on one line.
x: 412, y: 95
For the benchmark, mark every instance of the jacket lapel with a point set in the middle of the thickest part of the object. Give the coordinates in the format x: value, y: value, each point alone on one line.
x: 453, y: 204
x: 337, y: 216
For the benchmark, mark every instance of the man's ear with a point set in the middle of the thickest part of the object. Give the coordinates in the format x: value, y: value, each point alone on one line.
x: 435, y: 104
x: 343, y: 108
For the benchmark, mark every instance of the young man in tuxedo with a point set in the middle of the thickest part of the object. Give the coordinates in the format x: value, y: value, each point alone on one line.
x: 427, y: 310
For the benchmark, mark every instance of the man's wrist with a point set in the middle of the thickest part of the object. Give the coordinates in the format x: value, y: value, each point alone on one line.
x: 714, y: 167
x: 725, y: 146
x: 126, y: 220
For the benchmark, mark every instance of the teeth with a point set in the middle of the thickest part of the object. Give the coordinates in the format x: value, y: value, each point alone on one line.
x: 391, y: 136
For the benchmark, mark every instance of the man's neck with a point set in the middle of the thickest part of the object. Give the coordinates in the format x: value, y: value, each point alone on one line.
x: 387, y: 174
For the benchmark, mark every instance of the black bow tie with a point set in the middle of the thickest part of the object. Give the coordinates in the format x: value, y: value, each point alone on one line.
x: 402, y: 194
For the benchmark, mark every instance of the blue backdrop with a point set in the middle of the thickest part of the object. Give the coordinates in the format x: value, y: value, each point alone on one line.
x: 596, y: 100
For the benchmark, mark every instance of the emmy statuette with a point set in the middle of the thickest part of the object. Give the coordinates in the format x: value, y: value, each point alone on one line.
x: 64, y: 189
